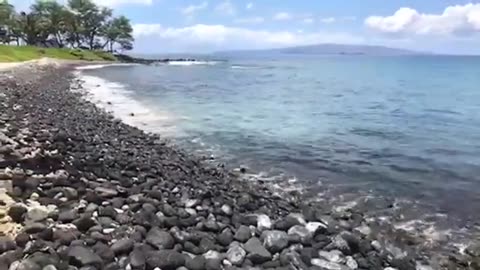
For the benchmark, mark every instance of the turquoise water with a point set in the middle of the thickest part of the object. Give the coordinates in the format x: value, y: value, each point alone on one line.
x: 405, y: 127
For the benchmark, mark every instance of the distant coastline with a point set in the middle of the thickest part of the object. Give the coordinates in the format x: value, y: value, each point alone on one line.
x: 329, y: 49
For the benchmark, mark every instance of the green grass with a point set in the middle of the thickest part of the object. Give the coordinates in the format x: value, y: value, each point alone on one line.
x: 25, y: 53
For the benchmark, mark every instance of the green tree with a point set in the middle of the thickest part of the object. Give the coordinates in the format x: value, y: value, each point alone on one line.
x: 92, y: 19
x: 81, y: 23
x: 118, y: 31
x: 7, y: 13
x: 33, y: 27
x: 56, y: 17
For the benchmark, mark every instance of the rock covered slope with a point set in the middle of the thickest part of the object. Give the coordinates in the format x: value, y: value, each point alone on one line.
x: 93, y: 193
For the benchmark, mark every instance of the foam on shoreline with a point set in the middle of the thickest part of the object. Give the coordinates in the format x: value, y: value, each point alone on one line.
x: 192, y: 63
x: 97, y: 66
x: 117, y: 99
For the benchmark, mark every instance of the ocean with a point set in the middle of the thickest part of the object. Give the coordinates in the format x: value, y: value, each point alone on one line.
x: 404, y: 127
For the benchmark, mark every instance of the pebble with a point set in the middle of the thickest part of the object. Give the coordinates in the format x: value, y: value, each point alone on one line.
x: 264, y: 223
x: 256, y: 252
x: 275, y: 241
x: 236, y: 255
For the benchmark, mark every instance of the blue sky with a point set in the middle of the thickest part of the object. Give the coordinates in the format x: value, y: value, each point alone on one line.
x: 446, y: 26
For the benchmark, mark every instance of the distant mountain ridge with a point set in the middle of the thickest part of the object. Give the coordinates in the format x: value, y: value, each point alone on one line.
x: 328, y: 49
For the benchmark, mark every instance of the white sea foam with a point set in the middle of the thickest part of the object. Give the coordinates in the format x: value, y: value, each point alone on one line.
x: 239, y: 67
x: 88, y: 67
x: 243, y: 67
x: 117, y: 99
x: 192, y: 63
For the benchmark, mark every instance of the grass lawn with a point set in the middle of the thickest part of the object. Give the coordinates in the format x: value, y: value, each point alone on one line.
x: 25, y: 53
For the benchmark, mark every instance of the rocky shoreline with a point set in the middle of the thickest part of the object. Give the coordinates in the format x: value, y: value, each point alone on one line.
x: 144, y: 61
x: 85, y: 191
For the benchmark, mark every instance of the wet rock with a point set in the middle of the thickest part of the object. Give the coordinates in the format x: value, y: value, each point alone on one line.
x: 275, y: 241
x: 33, y: 228
x: 264, y: 223
x: 104, y: 251
x: 17, y: 212
x: 6, y: 244
x: 67, y: 216
x: 49, y: 267
x: 22, y: 239
x: 137, y: 259
x: 122, y: 246
x: 236, y: 255
x: 28, y: 264
x: 207, y: 244
x: 352, y: 241
x: 316, y: 227
x: 257, y: 253
x: 213, y: 264
x: 225, y: 238
x: 36, y: 214
x: 227, y: 210
x: 84, y: 223
x: 292, y: 258
x: 324, y: 264
x: 65, y: 236
x: 351, y: 263
x: 168, y: 210
x: 165, y: 259
x: 287, y: 222
x: 473, y: 250
x: 70, y: 193
x: 82, y: 256
x: 160, y: 239
x: 211, y: 225
x: 107, y: 211
x: 106, y: 192
x: 341, y: 244
x: 243, y: 234
x: 307, y: 254
x: 403, y: 263
x: 196, y: 263
x: 302, y: 232
x: 334, y: 256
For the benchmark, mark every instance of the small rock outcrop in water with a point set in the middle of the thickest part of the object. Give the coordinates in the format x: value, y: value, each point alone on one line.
x: 145, y: 61
x: 93, y: 193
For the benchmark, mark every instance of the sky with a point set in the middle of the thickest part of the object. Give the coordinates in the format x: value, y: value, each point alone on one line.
x: 202, y: 26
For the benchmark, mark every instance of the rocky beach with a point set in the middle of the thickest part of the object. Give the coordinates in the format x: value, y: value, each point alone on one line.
x: 82, y: 190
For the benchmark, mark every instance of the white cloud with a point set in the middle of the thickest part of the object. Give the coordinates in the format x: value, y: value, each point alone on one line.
x: 250, y: 20
x: 192, y: 9
x: 249, y: 5
x: 328, y: 20
x: 455, y: 20
x: 226, y: 8
x: 205, y: 38
x: 282, y: 16
x: 308, y: 20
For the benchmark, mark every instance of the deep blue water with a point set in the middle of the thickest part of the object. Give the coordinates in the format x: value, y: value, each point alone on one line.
x: 406, y: 127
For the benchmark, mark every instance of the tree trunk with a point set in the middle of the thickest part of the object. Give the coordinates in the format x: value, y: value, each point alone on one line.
x: 90, y: 43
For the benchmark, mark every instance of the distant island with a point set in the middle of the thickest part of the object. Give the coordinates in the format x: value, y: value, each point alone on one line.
x: 326, y: 49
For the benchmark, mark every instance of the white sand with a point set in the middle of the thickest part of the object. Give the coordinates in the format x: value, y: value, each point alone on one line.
x: 8, y: 66
x: 37, y: 62
x: 46, y: 62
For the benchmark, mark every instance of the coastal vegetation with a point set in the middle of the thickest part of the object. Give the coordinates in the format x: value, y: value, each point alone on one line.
x: 80, y: 29
x: 25, y: 53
